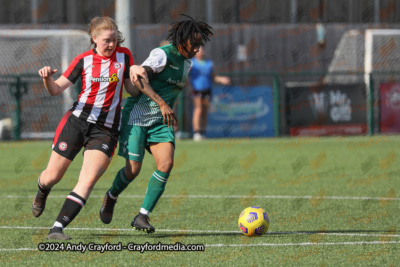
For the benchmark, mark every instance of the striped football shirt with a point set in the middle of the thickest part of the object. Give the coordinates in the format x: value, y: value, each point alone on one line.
x: 102, y: 81
x: 171, y: 70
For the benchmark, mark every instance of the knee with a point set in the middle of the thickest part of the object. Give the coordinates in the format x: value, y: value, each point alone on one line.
x: 166, y: 166
x: 131, y: 172
x: 49, y: 178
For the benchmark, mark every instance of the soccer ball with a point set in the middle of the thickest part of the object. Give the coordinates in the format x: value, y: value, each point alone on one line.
x: 253, y: 221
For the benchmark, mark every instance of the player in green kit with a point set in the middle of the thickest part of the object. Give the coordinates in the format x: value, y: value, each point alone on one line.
x: 147, y: 119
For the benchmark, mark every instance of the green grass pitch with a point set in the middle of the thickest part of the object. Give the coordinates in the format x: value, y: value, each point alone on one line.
x: 331, y: 201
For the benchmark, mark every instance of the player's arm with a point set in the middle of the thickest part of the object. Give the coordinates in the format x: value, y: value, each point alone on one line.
x: 53, y: 87
x: 225, y: 80
x: 130, y: 88
x: 128, y: 84
x: 145, y: 88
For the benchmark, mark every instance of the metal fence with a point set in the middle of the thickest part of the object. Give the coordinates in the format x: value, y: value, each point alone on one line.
x: 36, y: 114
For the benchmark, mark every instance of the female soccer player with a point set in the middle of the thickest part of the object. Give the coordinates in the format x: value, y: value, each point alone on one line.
x: 201, y: 78
x: 147, y: 120
x: 92, y: 122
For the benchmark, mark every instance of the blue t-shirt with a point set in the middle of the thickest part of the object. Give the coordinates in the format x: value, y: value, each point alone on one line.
x: 201, y: 74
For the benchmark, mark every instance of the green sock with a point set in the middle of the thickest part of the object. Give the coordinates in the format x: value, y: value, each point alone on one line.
x: 155, y: 189
x: 120, y: 183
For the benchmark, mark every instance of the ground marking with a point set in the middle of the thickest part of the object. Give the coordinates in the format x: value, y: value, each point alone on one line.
x: 304, y: 244
x: 205, y: 231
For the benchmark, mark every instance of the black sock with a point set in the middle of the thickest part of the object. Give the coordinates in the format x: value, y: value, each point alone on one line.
x: 72, y: 206
x: 43, y: 189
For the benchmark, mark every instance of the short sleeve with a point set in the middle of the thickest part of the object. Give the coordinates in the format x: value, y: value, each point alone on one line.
x: 156, y: 61
x: 74, y: 70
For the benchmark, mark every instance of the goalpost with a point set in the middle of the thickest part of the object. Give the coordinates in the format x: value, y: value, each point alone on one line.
x: 370, y: 56
x: 23, y: 98
x: 382, y: 65
x: 382, y: 52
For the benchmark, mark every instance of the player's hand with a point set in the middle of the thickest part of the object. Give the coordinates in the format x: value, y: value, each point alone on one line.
x: 223, y: 80
x: 135, y: 71
x: 168, y: 114
x: 46, y: 72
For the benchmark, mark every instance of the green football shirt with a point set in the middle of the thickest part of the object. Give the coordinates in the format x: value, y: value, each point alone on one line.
x: 170, y: 76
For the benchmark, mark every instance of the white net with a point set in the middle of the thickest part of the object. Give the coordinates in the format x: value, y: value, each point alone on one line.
x: 382, y: 65
x: 370, y: 51
x: 23, y: 54
x: 382, y: 51
x: 348, y: 59
x: 373, y: 52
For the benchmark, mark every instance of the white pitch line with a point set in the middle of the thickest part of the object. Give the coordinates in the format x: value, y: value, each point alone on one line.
x: 204, y: 231
x: 304, y: 244
x: 16, y: 249
x: 230, y: 196
x: 122, y: 229
x: 268, y: 245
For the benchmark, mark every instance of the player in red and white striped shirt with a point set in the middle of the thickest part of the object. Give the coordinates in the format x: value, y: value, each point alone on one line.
x: 102, y: 79
x: 92, y: 122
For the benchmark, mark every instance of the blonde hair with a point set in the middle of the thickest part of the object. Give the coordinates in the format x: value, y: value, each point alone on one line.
x: 104, y: 23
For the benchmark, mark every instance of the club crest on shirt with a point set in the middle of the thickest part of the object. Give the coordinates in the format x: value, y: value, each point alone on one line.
x: 117, y: 65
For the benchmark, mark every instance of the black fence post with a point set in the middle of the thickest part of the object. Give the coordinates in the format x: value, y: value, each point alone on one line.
x: 15, y: 90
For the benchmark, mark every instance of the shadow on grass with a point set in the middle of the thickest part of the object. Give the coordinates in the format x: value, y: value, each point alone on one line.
x: 154, y: 235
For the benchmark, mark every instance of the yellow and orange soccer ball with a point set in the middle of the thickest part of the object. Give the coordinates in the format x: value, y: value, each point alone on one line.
x: 253, y: 221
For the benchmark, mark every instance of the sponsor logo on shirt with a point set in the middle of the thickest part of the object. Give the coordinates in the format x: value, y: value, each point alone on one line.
x: 112, y: 79
x: 178, y: 82
x: 172, y: 66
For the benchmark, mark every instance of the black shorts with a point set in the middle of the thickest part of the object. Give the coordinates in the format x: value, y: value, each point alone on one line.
x: 205, y: 94
x: 73, y: 133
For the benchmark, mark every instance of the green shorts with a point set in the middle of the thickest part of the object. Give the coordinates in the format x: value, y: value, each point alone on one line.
x: 133, y: 140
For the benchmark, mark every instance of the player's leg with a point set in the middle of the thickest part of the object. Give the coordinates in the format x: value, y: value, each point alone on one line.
x: 205, y: 103
x: 67, y: 143
x: 123, y: 178
x: 197, y: 110
x: 94, y: 165
x: 131, y: 140
x: 55, y: 170
x: 99, y: 148
x: 164, y: 157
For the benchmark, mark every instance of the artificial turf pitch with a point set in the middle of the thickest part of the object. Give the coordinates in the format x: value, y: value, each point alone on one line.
x: 331, y: 201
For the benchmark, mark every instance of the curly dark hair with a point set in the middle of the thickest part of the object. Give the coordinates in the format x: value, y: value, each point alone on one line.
x: 184, y: 30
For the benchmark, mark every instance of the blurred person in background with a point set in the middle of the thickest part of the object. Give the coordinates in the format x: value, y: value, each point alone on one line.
x: 201, y: 77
